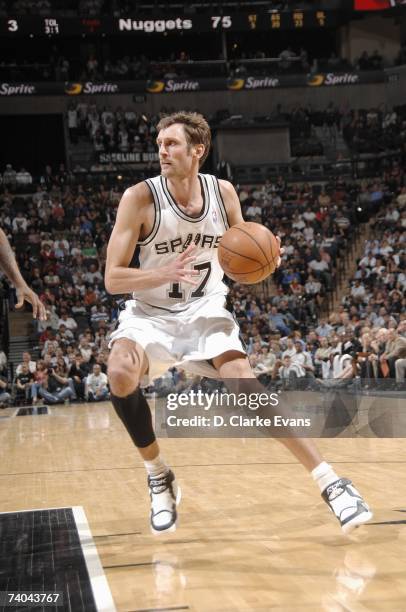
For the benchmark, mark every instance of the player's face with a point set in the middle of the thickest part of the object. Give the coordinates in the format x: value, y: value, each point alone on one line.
x: 175, y: 155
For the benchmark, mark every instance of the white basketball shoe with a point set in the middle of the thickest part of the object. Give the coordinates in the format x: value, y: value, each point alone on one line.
x: 165, y: 495
x: 347, y: 504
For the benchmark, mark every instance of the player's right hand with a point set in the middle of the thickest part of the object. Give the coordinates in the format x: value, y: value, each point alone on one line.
x: 177, y: 270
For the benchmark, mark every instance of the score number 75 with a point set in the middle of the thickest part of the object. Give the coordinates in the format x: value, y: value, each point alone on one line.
x: 221, y: 21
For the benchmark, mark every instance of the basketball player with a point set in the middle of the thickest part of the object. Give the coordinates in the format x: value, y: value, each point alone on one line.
x: 9, y: 266
x: 177, y: 314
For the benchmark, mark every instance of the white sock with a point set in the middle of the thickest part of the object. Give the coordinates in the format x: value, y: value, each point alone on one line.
x: 324, y: 475
x: 156, y: 466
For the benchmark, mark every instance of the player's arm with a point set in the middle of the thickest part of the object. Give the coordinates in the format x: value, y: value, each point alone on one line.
x: 231, y: 202
x: 9, y: 265
x: 131, y: 215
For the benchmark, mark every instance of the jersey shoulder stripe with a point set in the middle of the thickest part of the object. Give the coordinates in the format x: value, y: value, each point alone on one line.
x: 220, y: 201
x: 157, y: 211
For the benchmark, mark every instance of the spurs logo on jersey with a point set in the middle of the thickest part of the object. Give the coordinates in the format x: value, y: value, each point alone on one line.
x: 172, y: 233
x: 178, y: 245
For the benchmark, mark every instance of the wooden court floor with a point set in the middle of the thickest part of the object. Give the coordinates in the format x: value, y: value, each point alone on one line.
x: 253, y: 533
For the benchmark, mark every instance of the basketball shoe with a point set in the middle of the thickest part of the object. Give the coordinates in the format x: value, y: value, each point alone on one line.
x: 165, y: 496
x: 347, y: 504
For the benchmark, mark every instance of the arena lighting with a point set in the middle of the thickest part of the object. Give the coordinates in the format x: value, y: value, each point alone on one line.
x: 119, y: 177
x: 359, y: 209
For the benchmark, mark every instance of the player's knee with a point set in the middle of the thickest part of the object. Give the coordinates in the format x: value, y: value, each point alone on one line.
x: 122, y: 380
x: 237, y: 368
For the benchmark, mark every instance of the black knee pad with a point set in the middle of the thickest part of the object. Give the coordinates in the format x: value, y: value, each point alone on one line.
x: 136, y: 416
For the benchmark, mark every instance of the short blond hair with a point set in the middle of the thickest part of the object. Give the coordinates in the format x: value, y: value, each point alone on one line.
x: 196, y: 129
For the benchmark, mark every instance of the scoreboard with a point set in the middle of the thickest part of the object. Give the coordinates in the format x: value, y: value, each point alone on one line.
x: 31, y: 26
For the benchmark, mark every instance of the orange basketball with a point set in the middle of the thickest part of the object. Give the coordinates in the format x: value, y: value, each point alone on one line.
x: 248, y: 253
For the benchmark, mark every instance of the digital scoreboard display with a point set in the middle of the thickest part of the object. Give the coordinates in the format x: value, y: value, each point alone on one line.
x: 238, y: 22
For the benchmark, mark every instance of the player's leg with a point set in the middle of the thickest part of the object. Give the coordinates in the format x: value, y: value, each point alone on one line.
x: 127, y: 365
x: 339, y: 493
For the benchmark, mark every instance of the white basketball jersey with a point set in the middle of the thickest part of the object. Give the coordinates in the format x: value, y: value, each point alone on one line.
x: 172, y: 233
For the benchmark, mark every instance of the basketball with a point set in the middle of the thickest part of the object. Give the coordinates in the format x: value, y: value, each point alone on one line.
x: 248, y: 253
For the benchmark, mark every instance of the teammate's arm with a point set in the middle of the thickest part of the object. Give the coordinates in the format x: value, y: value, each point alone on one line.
x: 9, y: 266
x: 131, y: 215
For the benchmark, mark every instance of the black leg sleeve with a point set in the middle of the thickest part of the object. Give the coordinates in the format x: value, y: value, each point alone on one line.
x: 136, y: 416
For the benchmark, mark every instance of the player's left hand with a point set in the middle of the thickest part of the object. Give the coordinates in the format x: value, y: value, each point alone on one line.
x: 281, y: 251
x: 25, y: 294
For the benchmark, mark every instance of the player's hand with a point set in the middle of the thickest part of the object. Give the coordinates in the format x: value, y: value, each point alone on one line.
x: 281, y: 251
x: 178, y: 270
x: 25, y: 294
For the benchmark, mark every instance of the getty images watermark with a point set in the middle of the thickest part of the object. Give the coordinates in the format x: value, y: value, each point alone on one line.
x: 327, y: 411
x: 211, y: 401
x: 192, y: 413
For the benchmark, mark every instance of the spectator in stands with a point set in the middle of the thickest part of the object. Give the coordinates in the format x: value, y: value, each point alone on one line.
x: 93, y: 276
x: 3, y: 363
x: 23, y: 177
x: 290, y: 349
x: 9, y: 175
x: 285, y: 57
x: 66, y: 335
x: 303, y: 359
x: 5, y: 396
x: 20, y: 223
x: 322, y: 357
x: 23, y: 382
x: 324, y: 329
x: 67, y: 321
x: 85, y: 348
x: 26, y: 361
x: 99, y: 313
x: 321, y: 269
x: 78, y: 373
x: 96, y: 388
x: 263, y: 364
x: 395, y: 350
x: 288, y: 372
x: 56, y: 387
x: 278, y: 321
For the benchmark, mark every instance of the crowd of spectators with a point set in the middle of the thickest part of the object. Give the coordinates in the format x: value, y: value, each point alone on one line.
x: 60, y: 376
x: 372, y: 131
x: 375, y: 130
x: 60, y: 233
x: 184, y: 63
x: 369, y: 130
x: 377, y: 293
x: 60, y: 236
x: 120, y: 129
x: 366, y: 335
